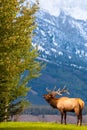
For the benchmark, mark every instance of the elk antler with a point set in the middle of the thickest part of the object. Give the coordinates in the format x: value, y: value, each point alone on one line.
x: 48, y: 90
x: 64, y: 90
x: 58, y: 92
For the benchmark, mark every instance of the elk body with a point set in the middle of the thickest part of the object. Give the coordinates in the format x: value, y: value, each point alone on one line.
x: 65, y: 104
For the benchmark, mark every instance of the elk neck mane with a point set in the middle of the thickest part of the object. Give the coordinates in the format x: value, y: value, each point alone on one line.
x: 53, y: 102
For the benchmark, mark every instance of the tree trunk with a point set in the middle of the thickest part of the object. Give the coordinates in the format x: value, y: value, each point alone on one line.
x: 6, y: 113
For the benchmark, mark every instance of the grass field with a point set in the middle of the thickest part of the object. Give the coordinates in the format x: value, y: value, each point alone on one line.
x: 38, y: 126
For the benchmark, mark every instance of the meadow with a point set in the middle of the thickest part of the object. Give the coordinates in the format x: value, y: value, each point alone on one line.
x: 39, y: 126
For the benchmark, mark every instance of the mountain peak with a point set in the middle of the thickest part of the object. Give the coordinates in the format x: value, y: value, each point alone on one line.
x: 61, y: 35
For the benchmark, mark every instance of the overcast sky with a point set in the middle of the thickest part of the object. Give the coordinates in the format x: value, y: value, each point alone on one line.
x: 76, y: 8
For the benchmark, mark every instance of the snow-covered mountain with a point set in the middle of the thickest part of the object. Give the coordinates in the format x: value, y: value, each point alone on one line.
x: 61, y: 37
x: 62, y: 42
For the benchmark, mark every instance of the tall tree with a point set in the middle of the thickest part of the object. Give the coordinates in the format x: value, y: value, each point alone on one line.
x: 17, y: 55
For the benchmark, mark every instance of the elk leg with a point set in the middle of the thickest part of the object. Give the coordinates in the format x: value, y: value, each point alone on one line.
x: 77, y: 119
x: 65, y: 118
x: 78, y: 114
x: 61, y: 117
x: 80, y: 117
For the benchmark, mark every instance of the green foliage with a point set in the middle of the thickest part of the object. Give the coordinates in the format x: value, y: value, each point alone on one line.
x: 17, y: 54
x: 39, y: 126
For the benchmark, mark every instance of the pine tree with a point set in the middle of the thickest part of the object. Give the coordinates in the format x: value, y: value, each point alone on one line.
x: 17, y: 55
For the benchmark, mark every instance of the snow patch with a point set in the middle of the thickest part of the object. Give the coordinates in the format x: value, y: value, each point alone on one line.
x: 47, y: 52
x: 76, y: 66
x: 41, y: 48
x: 86, y: 54
x: 80, y: 28
x: 60, y: 53
x: 85, y: 45
x: 77, y: 51
x: 54, y: 50
x: 55, y: 43
x: 70, y: 57
x: 43, y: 33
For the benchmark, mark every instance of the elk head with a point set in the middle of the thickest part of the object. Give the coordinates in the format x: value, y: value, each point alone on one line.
x: 52, y: 93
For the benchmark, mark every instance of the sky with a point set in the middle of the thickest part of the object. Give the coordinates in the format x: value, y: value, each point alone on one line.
x: 75, y: 8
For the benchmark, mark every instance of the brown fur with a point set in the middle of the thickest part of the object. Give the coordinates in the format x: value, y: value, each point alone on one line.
x: 65, y: 104
x: 81, y: 102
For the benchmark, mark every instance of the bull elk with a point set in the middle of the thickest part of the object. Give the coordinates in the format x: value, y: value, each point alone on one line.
x: 65, y: 104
